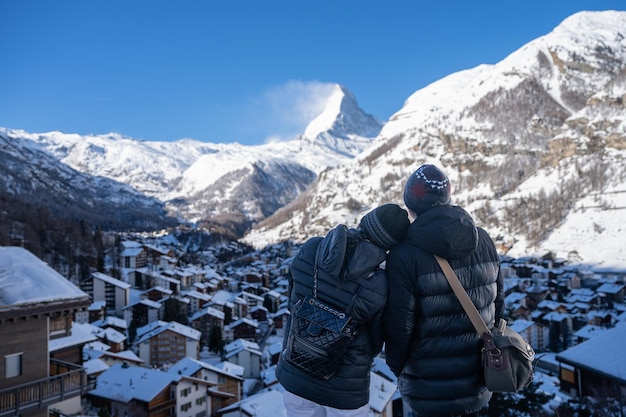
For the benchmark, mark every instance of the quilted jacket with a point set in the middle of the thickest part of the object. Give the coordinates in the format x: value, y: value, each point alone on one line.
x: 346, y: 261
x: 430, y: 342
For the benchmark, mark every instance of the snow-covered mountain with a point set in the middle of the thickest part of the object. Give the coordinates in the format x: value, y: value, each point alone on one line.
x: 219, y: 183
x: 34, y: 179
x: 535, y: 147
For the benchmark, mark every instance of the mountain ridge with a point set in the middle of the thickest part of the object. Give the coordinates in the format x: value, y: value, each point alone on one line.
x: 534, y: 146
x: 524, y: 141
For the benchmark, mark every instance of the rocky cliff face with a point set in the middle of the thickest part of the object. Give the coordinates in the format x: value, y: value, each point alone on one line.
x: 529, y: 144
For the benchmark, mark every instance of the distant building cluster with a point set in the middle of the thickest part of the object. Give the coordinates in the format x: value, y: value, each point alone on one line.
x: 156, y: 336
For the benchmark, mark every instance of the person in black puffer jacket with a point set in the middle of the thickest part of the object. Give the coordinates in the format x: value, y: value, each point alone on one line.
x: 348, y: 260
x: 430, y: 343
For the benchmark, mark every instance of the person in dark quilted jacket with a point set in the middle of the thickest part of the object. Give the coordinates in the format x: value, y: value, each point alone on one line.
x: 348, y: 261
x: 430, y: 343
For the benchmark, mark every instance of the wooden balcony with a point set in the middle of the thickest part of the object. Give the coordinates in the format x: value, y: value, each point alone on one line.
x: 66, y: 381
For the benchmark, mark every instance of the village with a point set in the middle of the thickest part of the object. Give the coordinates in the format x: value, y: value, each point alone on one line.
x: 155, y: 336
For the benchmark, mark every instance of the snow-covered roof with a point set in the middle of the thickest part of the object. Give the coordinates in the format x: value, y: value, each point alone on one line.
x: 94, y: 366
x: 520, y: 325
x: 188, y: 366
x: 603, y: 353
x: 514, y: 297
x: 131, y: 252
x: 97, y: 305
x: 610, y: 288
x: 589, y: 331
x: 125, y: 383
x: 240, y: 345
x: 173, y: 326
x: 209, y: 311
x: 231, y: 368
x: 264, y: 404
x: 144, y: 301
x: 111, y: 280
x: 126, y: 355
x: 81, y: 334
x: 25, y: 279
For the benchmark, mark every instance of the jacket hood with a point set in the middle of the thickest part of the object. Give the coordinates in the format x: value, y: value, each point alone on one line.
x: 345, y: 254
x: 447, y: 231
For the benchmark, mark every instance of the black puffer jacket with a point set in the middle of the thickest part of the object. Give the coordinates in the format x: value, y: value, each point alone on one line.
x: 338, y: 280
x: 430, y: 342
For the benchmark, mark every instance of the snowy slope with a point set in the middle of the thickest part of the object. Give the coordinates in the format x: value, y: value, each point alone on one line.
x: 534, y: 146
x: 203, y: 180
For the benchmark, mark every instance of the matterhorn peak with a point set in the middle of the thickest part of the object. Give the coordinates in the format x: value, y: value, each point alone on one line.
x: 342, y: 118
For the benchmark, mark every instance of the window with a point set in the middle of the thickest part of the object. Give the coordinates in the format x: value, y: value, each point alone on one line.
x: 13, y: 365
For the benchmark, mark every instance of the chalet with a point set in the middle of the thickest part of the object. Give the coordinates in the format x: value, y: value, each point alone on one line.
x: 157, y: 293
x: 245, y: 353
x: 232, y: 305
x: 32, y: 377
x: 251, y: 299
x: 569, y: 280
x: 515, y: 304
x: 133, y: 255
x: 614, y: 293
x: 97, y: 311
x: 206, y: 320
x: 102, y: 287
x: 197, y: 301
x: 125, y: 390
x: 165, y: 281
x: 536, y: 293
x: 584, y: 295
x: 142, y: 313
x: 116, y: 323
x: 272, y: 300
x: 259, y: 313
x: 242, y: 329
x: 596, y: 367
x: 154, y: 254
x: 561, y: 330
x: 165, y: 343
x: 227, y: 388
x: 111, y: 337
x: 182, y: 276
x: 280, y: 320
x: 177, y: 307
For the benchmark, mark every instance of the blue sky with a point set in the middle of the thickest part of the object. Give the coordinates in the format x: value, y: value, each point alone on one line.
x: 241, y: 71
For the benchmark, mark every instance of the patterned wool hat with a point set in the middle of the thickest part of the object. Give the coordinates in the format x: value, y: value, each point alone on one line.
x: 426, y: 188
x: 386, y: 225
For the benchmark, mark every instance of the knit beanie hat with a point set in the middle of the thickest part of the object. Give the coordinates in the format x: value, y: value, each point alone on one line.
x: 386, y: 225
x: 426, y: 188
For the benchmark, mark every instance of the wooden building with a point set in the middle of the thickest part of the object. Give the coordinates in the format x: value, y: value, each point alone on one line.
x: 37, y: 306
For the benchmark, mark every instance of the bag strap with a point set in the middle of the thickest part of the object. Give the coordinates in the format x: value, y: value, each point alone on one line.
x: 461, y: 294
x: 349, y: 307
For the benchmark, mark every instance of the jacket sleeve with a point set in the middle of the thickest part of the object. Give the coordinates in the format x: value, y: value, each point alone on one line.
x: 399, y: 313
x: 376, y: 327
